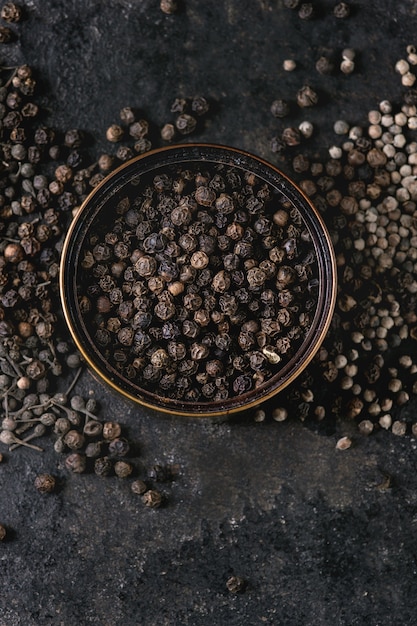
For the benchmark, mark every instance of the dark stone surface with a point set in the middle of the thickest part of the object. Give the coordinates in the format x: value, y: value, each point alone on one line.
x: 319, y: 535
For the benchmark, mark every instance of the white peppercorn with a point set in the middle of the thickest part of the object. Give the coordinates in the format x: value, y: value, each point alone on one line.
x: 385, y: 421
x: 289, y: 65
x: 408, y: 79
x: 341, y: 127
x: 306, y: 129
x: 279, y: 414
x: 347, y: 66
x: 402, y: 67
x: 344, y: 443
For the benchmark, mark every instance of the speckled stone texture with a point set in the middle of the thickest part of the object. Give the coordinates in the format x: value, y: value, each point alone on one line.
x: 319, y: 534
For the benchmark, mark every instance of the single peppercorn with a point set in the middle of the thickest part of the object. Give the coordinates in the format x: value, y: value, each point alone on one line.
x: 324, y: 65
x: 118, y: 447
x: 185, y: 123
x: 11, y: 12
x: 3, y: 532
x: 6, y: 34
x: 168, y: 132
x: 306, y: 11
x: 200, y: 105
x: 74, y: 439
x: 127, y: 115
x: 123, y: 469
x: 111, y: 430
x: 152, y: 499
x: 280, y: 108
x: 93, y: 428
x: 159, y: 473
x: 138, y: 487
x: 45, y: 483
x: 103, y: 466
x: 168, y: 6
x: 236, y: 584
x: 291, y: 136
x: 341, y: 10
x: 306, y: 97
x: 179, y: 105
x: 139, y: 129
x: 76, y: 463
x: 114, y: 133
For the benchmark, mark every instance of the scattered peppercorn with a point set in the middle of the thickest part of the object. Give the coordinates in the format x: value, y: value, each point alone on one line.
x: 76, y: 463
x: 45, y: 483
x: 103, y: 466
x: 280, y: 108
x: 306, y: 11
x: 152, y: 499
x: 168, y: 6
x: 236, y: 584
x: 365, y: 360
x: 11, y: 12
x: 122, y: 469
x: 138, y: 487
x: 114, y: 133
x: 306, y: 97
x: 341, y: 10
x: 6, y: 34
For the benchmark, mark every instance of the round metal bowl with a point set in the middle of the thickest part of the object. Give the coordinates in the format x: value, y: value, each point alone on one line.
x: 99, y: 210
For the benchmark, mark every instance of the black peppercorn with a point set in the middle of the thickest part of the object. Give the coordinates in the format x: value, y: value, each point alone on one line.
x: 111, y: 430
x: 76, y: 463
x: 235, y: 584
x: 280, y: 108
x: 152, y: 499
x: 306, y: 97
x: 179, y: 105
x: 306, y: 11
x: 341, y: 10
x: 11, y: 12
x: 138, y: 487
x: 93, y: 450
x: 185, y: 123
x: 45, y: 483
x: 103, y: 466
x: 159, y: 473
x: 6, y: 34
x: 199, y: 105
x: 324, y: 65
x: 93, y: 428
x: 122, y: 469
x: 203, y: 262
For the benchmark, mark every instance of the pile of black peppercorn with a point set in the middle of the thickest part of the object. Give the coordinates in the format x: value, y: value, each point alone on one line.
x: 205, y: 282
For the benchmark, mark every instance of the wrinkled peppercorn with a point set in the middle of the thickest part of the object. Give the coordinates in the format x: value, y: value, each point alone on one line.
x: 152, y: 499
x: 235, y: 584
x: 45, y: 483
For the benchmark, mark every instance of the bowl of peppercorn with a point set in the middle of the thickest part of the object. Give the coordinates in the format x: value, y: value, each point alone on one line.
x: 198, y: 280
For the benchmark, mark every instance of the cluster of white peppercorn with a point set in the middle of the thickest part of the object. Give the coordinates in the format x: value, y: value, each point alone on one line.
x: 367, y: 193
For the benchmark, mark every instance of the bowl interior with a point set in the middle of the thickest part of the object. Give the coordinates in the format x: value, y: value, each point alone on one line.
x: 102, y: 208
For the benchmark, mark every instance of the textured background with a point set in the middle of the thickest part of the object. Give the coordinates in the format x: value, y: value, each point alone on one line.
x: 309, y: 527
